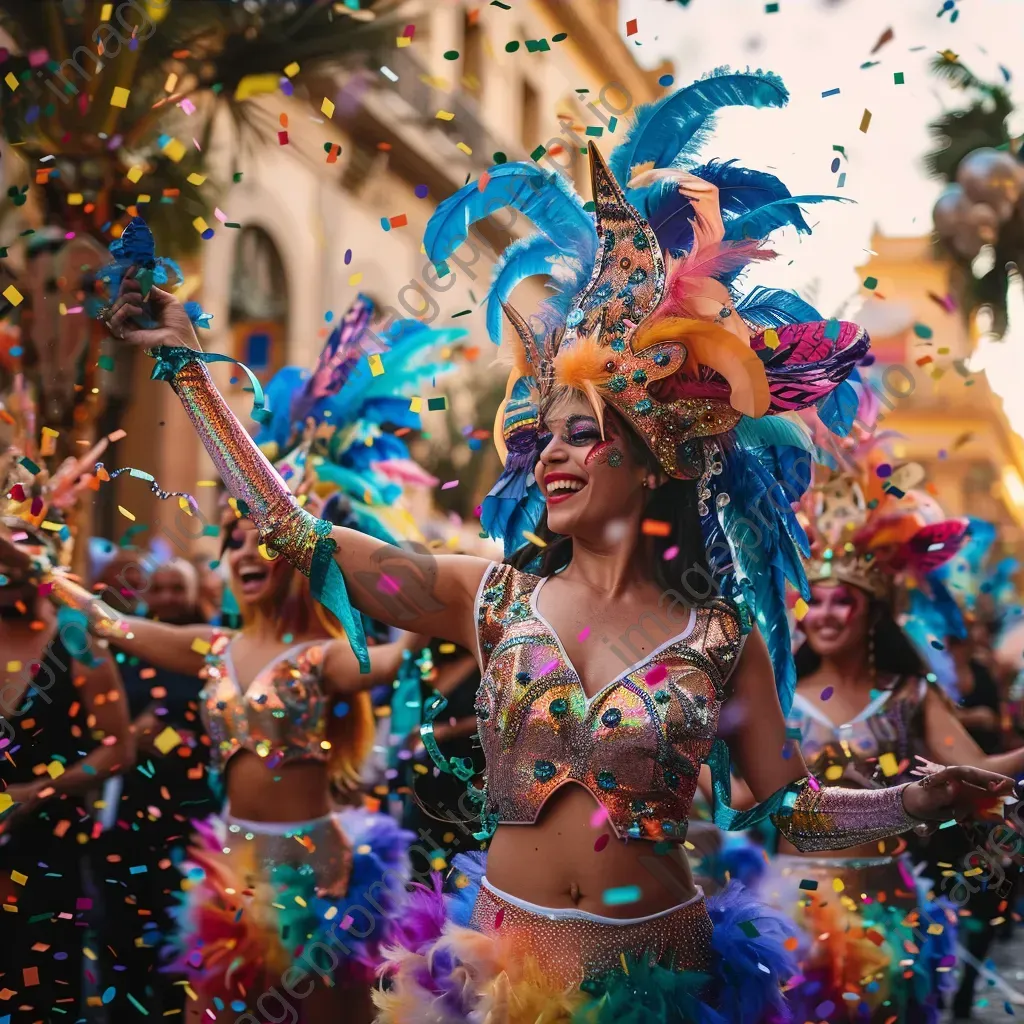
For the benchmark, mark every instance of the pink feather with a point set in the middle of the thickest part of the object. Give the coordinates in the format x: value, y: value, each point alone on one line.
x: 714, y: 261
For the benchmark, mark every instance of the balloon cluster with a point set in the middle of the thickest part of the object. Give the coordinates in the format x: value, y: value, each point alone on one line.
x: 985, y: 197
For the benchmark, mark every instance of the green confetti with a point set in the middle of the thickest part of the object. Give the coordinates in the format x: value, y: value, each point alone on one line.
x: 897, y: 78
x: 437, y: 404
x: 29, y: 464
x: 499, y: 157
x: 559, y: 37
x: 597, y: 131
x: 922, y: 330
x: 771, y: 8
x: 871, y: 283
x: 749, y: 929
x: 537, y: 46
x: 462, y: 312
x: 237, y: 176
x: 512, y: 46
x: 106, y: 363
x: 451, y: 55
x: 538, y: 153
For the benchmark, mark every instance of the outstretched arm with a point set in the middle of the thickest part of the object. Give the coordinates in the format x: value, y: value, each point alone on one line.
x: 411, y: 590
x: 174, y: 648
x: 815, y: 817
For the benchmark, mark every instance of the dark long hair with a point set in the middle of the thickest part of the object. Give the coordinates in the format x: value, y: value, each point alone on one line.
x: 674, y: 503
x: 894, y: 653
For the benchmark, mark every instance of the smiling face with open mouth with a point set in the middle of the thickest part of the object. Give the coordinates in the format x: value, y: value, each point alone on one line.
x: 255, y: 580
x: 837, y: 619
x: 587, y: 481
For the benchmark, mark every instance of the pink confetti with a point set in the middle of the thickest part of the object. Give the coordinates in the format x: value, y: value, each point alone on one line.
x: 388, y: 585
x: 813, y: 783
x: 346, y: 922
x: 655, y: 675
x: 583, y: 634
x: 826, y: 694
x: 220, y: 215
x: 602, y: 842
x: 499, y: 917
x: 599, y: 817
x: 671, y: 553
x: 36, y: 58
x: 449, y: 485
x: 549, y: 667
x: 187, y: 106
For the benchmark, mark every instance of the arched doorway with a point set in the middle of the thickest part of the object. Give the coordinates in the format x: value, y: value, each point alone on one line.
x: 259, y: 304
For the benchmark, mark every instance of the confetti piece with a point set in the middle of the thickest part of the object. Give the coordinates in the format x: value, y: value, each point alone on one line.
x: 415, y: 405
x: 583, y: 634
x: 15, y: 298
x: 631, y: 27
x: 126, y: 513
x: 449, y: 485
x: 400, y: 221
x: 388, y: 73
x: 354, y: 279
x: 534, y: 539
x: 327, y: 107
x: 897, y: 78
x: 437, y: 404
x: 167, y: 741
x: 196, y: 179
x: 55, y: 769
x: 12, y: 82
x: 201, y: 646
x: 620, y: 896
x: 655, y: 675
x: 119, y: 97
x: 444, y: 115
x: 800, y: 609
x: 830, y: 92
x: 771, y: 338
x: 655, y: 528
x: 826, y: 694
x: 599, y: 817
x: 173, y: 149
x: 376, y: 366
x: 291, y: 70
x: 809, y: 884
x: 865, y: 120
x: 601, y: 842
x: 888, y: 763
x: 18, y: 878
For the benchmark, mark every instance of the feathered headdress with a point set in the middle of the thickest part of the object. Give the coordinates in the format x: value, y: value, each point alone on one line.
x: 339, y: 429
x: 644, y: 312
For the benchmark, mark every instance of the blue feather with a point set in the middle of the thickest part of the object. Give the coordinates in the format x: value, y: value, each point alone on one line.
x: 543, y: 197
x: 760, y: 223
x: 674, y: 128
x: 838, y: 409
x: 523, y: 258
x: 773, y: 307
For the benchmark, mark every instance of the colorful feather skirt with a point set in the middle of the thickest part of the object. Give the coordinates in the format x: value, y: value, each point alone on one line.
x: 875, y: 949
x: 478, y: 956
x: 260, y: 897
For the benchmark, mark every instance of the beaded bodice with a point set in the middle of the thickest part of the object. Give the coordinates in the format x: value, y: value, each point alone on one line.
x: 877, y: 745
x: 281, y: 717
x: 637, y: 745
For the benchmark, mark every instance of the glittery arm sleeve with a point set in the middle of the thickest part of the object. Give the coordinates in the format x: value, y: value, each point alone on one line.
x: 817, y: 818
x: 251, y: 479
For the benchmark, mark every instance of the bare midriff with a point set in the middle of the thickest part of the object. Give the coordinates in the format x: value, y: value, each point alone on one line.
x: 562, y: 861
x: 297, y: 791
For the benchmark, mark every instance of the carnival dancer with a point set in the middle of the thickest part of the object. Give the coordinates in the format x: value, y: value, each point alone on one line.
x: 64, y: 730
x: 283, y: 882
x: 867, y: 709
x: 643, y: 385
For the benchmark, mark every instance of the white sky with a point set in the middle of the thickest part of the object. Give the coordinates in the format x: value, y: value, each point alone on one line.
x: 815, y: 45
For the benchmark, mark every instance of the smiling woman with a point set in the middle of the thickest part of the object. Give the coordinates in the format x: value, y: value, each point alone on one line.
x: 646, y: 374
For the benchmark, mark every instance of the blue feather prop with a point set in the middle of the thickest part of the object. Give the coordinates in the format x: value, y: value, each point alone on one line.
x: 773, y: 307
x: 665, y: 133
x: 544, y: 197
x: 524, y: 258
x: 838, y: 409
x: 782, y: 213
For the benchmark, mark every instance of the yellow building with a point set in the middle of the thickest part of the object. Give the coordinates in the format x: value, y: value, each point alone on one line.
x: 341, y: 208
x: 949, y: 418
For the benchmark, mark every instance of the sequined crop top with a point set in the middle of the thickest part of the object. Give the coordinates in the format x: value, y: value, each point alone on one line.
x: 282, y: 716
x: 876, y: 746
x: 637, y: 745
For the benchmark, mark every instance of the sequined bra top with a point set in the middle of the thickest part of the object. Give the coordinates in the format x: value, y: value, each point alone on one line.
x: 637, y: 745
x: 875, y: 747
x: 282, y: 716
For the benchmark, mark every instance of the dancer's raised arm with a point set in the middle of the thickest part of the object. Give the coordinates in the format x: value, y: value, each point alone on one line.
x: 408, y: 589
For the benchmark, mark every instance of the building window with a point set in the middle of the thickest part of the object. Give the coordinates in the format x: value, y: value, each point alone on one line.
x: 530, y: 131
x: 472, y: 54
x: 259, y: 304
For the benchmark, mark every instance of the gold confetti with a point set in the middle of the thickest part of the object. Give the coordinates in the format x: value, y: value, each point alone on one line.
x: 865, y: 120
x: 355, y: 278
x: 415, y: 405
x: 126, y: 513
x: 18, y: 878
x: 167, y: 741
x: 534, y: 539
x: 771, y: 338
x: 327, y: 107
x: 13, y: 296
x: 75, y: 199
x: 200, y: 646
x: 15, y: 666
x: 5, y: 801
x: 174, y: 149
x: 837, y: 885
x: 119, y: 97
x: 465, y: 149
x: 444, y: 115
x: 55, y: 769
x: 134, y: 174
x: 888, y: 763
x: 291, y: 70
x: 196, y: 179
x: 800, y: 609
x: 106, y: 11
x: 200, y: 225
x: 12, y: 81
x: 445, y: 648
x: 144, y: 197
x: 833, y: 772
x: 376, y: 366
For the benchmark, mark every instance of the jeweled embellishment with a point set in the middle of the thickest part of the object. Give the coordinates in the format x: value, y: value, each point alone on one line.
x: 544, y: 771
x: 559, y: 706
x: 523, y: 678
x: 611, y: 717
x: 662, y: 697
x: 639, y: 376
x: 643, y: 407
x: 606, y: 780
x: 575, y: 316
x: 618, y: 383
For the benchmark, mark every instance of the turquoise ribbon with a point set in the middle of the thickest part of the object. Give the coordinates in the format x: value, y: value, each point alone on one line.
x: 727, y: 817
x: 328, y: 586
x: 171, y: 358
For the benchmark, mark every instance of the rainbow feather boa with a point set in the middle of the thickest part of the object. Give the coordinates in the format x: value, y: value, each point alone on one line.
x: 232, y: 940
x: 440, y: 971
